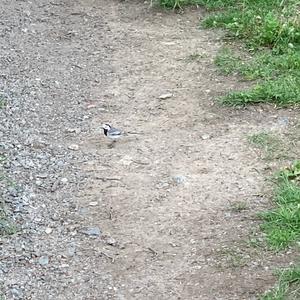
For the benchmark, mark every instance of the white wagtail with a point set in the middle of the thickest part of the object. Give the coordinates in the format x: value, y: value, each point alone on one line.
x: 111, y: 132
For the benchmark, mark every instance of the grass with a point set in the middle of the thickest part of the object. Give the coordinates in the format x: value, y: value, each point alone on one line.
x: 272, y: 146
x: 282, y: 224
x: 195, y: 57
x: 270, y: 31
x: 232, y: 257
x: 288, y: 286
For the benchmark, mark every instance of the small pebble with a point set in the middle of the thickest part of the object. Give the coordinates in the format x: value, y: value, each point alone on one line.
x: 73, y: 147
x: 165, y: 96
x: 179, y: 179
x: 205, y: 136
x: 111, y: 241
x: 44, y: 260
x: 64, y: 180
x: 48, y: 230
x: 92, y: 231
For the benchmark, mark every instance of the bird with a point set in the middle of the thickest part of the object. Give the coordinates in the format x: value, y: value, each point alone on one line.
x: 111, y: 132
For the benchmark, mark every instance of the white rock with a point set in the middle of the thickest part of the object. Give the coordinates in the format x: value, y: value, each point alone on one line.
x: 73, y: 147
x: 165, y: 96
x: 205, y: 136
x: 64, y: 180
x: 48, y: 230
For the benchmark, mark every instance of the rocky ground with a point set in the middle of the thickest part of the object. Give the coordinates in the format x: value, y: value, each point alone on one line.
x: 146, y: 218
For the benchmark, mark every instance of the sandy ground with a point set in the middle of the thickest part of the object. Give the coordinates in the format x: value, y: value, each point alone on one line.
x: 146, y: 218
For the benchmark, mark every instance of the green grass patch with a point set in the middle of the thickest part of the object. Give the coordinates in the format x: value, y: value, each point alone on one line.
x: 268, y: 23
x: 270, y: 30
x: 284, y: 91
x: 282, y: 224
x: 209, y: 4
x: 288, y: 287
x: 264, y: 65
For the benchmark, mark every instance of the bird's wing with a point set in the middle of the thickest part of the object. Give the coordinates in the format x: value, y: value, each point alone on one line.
x: 114, y: 131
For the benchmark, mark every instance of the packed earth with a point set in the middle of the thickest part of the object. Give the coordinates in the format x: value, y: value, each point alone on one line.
x: 149, y: 216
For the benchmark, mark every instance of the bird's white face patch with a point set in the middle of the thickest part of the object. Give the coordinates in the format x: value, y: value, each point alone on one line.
x: 106, y: 126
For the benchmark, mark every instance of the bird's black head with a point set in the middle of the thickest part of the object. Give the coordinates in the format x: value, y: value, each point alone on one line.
x: 106, y: 127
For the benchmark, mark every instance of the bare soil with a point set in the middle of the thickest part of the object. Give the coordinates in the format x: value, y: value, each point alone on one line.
x: 162, y: 195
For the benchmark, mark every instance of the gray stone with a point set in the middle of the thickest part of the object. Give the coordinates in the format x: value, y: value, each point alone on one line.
x: 92, y: 231
x: 179, y: 179
x: 44, y: 260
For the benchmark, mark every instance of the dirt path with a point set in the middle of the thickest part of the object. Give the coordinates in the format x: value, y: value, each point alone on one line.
x: 161, y: 197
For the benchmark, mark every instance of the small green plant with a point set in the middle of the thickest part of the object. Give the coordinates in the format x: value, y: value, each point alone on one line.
x: 288, y: 286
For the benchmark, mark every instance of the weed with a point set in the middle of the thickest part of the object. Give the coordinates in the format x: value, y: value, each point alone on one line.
x: 288, y: 286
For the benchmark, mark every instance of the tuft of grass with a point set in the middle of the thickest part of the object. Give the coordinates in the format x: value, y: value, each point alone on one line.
x: 177, y: 4
x: 282, y: 224
x: 288, y: 286
x: 238, y: 206
x: 272, y: 146
x: 227, y: 62
x: 209, y: 4
x: 195, y: 57
x: 232, y: 257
